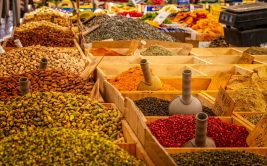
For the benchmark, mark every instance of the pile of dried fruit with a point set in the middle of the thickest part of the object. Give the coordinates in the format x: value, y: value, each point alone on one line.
x: 44, y: 33
x: 212, y: 158
x: 52, y: 110
x: 62, y: 147
x: 151, y: 106
x: 249, y: 100
x: 130, y: 79
x: 177, y: 130
x: 157, y: 51
x: 20, y: 60
x: 123, y: 28
x: 47, y: 14
x: 45, y: 81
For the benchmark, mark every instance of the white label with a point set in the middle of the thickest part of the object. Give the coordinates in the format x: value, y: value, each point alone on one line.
x: 18, y: 43
x: 161, y: 17
x: 203, y: 44
x: 2, y: 50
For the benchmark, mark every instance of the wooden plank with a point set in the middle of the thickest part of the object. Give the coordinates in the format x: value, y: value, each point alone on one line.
x: 215, y: 51
x: 219, y: 80
x: 111, y: 44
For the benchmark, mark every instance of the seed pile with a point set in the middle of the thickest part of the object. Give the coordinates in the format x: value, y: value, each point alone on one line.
x: 45, y: 81
x: 47, y: 14
x: 62, y: 147
x: 177, y: 130
x: 256, y: 51
x: 123, y: 28
x: 151, y: 106
x: 44, y: 33
x: 130, y: 79
x: 157, y: 51
x: 249, y: 100
x: 212, y: 158
x: 254, y: 119
x: 20, y: 60
x: 220, y: 42
x: 50, y: 110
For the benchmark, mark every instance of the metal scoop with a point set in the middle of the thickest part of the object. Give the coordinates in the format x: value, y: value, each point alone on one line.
x: 185, y: 104
x: 151, y: 82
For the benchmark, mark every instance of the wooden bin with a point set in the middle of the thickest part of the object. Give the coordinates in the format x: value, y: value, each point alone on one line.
x: 133, y: 114
x: 161, y: 157
x: 215, y: 51
x: 234, y: 59
x: 239, y: 115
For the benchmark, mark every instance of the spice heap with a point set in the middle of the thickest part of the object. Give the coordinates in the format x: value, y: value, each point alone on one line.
x: 130, y: 79
x: 19, y: 60
x: 151, y: 106
x: 52, y: 110
x: 256, y: 51
x: 123, y: 28
x: 156, y: 50
x: 44, y: 33
x: 248, y: 100
x: 47, y: 14
x: 211, y: 158
x: 254, y: 118
x: 220, y: 42
x: 45, y: 81
x: 176, y: 130
x: 62, y: 147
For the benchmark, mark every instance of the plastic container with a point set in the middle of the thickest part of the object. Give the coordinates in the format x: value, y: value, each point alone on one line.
x: 245, y: 38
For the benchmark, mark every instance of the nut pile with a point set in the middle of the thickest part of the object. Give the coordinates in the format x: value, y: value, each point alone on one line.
x: 23, y: 59
x: 47, y: 14
x: 151, y: 106
x: 62, y: 147
x: 45, y: 81
x: 44, y: 33
x: 50, y: 110
x: 177, y: 130
x: 123, y: 28
x: 212, y: 158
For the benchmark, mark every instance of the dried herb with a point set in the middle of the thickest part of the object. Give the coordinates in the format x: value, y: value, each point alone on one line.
x: 50, y: 110
x: 157, y: 51
x: 254, y: 119
x: 256, y: 51
x: 176, y: 130
x: 59, y: 146
x: 123, y: 28
x: 218, y: 158
x: 220, y: 42
x: 151, y: 106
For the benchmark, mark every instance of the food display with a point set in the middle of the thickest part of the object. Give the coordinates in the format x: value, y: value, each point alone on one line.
x: 58, y: 146
x: 19, y: 60
x: 123, y: 28
x: 122, y: 7
x: 47, y: 14
x: 44, y: 33
x: 45, y: 81
x: 156, y: 50
x: 51, y: 110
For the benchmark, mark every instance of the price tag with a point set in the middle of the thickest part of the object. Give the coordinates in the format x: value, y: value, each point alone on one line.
x: 161, y: 17
x: 258, y: 137
x: 2, y: 51
x: 246, y: 59
x: 18, y: 43
x: 224, y: 104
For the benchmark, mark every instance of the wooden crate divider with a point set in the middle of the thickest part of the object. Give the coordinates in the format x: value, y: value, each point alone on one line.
x: 215, y: 51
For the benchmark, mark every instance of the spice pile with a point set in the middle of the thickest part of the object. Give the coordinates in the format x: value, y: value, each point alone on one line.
x: 249, y: 100
x: 23, y: 59
x: 45, y: 81
x: 47, y: 14
x: 123, y: 28
x: 212, y: 158
x: 50, y: 110
x: 44, y: 33
x: 220, y: 42
x: 151, y: 106
x: 256, y: 51
x: 177, y: 130
x: 62, y: 147
x: 254, y: 118
x: 130, y: 79
x: 157, y: 51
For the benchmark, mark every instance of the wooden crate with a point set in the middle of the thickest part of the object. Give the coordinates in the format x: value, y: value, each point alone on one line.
x: 234, y: 59
x: 215, y: 51
x: 239, y: 115
x: 133, y: 114
x: 160, y: 155
x: 213, y: 69
x: 260, y: 59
